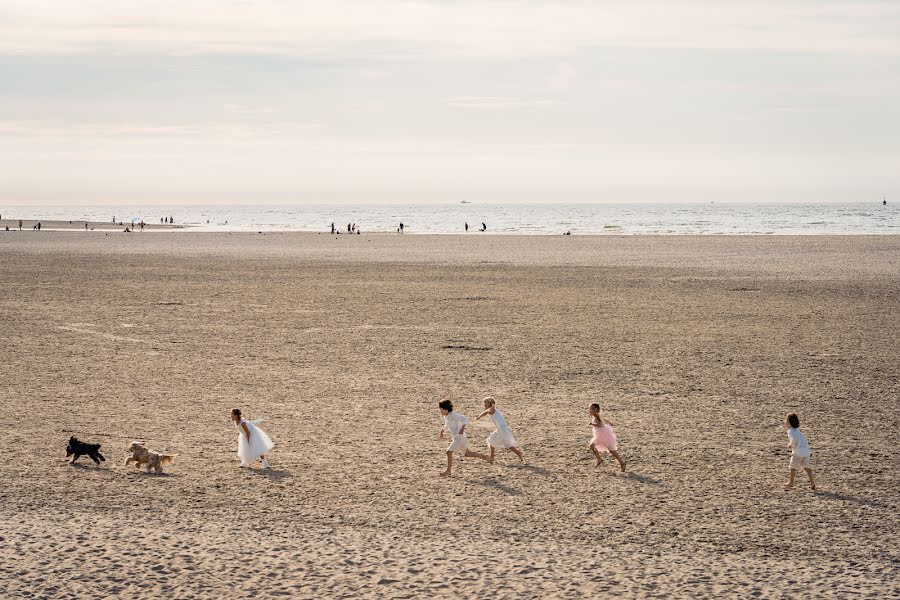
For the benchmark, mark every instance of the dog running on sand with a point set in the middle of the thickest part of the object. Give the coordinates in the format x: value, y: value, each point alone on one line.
x: 140, y: 455
x: 79, y: 449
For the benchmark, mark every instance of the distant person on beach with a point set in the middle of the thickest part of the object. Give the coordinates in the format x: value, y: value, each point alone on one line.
x: 455, y: 427
x: 20, y: 224
x: 39, y: 226
x: 604, y: 438
x: 401, y: 227
x: 348, y: 228
x: 800, y: 451
x: 884, y: 202
x: 127, y: 230
x: 253, y: 442
x: 171, y: 220
x: 332, y: 228
x: 114, y: 219
x: 142, y: 225
x: 502, y: 436
x: 467, y: 227
x: 85, y: 226
x: 483, y: 226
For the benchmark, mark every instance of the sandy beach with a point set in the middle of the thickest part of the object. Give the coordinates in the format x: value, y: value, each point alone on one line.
x: 696, y: 347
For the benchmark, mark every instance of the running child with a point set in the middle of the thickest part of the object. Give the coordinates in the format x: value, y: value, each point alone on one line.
x: 455, y: 426
x: 604, y: 438
x: 800, y: 451
x: 253, y: 442
x: 502, y: 437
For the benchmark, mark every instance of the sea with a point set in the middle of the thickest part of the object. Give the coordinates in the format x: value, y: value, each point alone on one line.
x: 719, y: 218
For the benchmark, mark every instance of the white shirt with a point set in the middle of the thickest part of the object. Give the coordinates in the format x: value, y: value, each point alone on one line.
x: 453, y: 422
x: 797, y: 441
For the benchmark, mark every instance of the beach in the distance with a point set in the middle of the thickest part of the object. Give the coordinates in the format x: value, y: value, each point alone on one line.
x: 696, y: 346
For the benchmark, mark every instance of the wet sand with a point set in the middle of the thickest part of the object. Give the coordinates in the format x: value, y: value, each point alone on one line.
x: 695, y: 347
x: 108, y: 226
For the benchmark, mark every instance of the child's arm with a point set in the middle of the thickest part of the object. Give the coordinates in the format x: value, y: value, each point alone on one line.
x: 246, y: 431
x: 487, y: 411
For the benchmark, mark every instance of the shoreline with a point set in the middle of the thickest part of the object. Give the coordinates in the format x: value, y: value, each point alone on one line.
x: 78, y: 226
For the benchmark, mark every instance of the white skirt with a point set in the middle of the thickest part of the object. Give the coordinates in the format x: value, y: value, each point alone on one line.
x: 259, y: 443
x: 499, y: 440
x: 458, y: 443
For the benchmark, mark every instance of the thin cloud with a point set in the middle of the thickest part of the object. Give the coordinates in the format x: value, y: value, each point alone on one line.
x: 496, y: 103
x: 461, y: 29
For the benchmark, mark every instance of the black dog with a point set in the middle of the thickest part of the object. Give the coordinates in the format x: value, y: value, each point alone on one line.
x: 81, y: 449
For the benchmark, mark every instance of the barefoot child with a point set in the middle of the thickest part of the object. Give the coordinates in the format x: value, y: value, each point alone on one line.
x: 604, y: 438
x: 253, y: 442
x: 800, y: 451
x: 502, y: 436
x: 455, y: 426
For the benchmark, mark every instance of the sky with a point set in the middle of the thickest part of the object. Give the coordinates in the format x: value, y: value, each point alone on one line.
x: 273, y: 101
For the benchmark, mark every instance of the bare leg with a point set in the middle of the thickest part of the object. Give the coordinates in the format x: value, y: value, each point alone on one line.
x: 597, y: 455
x: 619, y: 458
x: 449, y: 464
x: 515, y: 451
x: 809, y: 473
x: 479, y: 455
x: 492, y: 455
x: 790, y: 481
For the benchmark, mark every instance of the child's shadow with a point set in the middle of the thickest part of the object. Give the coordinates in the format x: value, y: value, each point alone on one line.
x: 530, y: 468
x: 848, y: 498
x: 492, y: 484
x: 642, y: 478
x: 272, y: 474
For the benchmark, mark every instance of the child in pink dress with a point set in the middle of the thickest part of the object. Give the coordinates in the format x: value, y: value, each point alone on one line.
x: 604, y: 438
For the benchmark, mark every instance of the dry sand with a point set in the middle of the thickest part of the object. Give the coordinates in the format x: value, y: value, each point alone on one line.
x: 695, y: 346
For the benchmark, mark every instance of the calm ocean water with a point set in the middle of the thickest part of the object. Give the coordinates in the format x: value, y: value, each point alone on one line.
x: 546, y: 219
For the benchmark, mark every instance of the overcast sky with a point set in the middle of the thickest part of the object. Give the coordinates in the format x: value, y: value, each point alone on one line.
x: 271, y: 101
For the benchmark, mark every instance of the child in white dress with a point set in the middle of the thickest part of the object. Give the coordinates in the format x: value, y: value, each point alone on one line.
x: 502, y: 437
x: 253, y: 442
x: 455, y: 426
x: 800, y: 451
